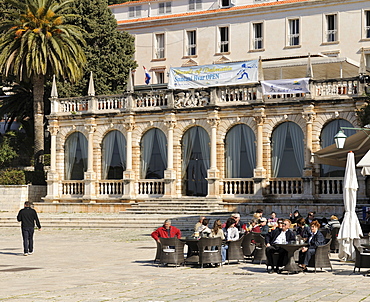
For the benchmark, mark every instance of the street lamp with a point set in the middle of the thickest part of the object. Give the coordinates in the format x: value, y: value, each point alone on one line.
x: 340, y: 139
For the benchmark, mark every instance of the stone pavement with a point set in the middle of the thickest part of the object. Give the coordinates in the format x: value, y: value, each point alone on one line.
x: 116, y: 265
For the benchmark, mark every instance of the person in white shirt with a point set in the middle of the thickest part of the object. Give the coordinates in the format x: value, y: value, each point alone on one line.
x: 231, y: 234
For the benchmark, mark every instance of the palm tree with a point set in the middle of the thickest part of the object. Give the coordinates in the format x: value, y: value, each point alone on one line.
x: 37, y: 41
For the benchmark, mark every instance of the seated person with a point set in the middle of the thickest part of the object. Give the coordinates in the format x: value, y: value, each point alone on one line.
x: 199, y: 223
x: 295, y: 216
x: 231, y: 234
x: 333, y: 223
x: 302, y: 229
x: 258, y: 214
x: 166, y: 231
x: 316, y: 239
x: 263, y: 226
x: 310, y: 217
x: 253, y: 226
x: 238, y: 223
x: 278, y: 236
x: 204, y: 230
x: 217, y: 230
x: 272, y: 221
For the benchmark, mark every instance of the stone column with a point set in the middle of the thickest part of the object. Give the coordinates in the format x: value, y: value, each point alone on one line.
x: 170, y: 173
x: 213, y: 172
x: 129, y: 174
x: 259, y: 172
x: 308, y: 187
x: 90, y: 174
x: 52, y: 175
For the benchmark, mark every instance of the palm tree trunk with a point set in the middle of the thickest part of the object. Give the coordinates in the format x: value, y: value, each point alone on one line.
x: 38, y: 113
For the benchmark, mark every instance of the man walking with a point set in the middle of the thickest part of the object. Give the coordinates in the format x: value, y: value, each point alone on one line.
x: 28, y: 216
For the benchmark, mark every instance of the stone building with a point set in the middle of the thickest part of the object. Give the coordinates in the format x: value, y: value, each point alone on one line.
x: 233, y: 144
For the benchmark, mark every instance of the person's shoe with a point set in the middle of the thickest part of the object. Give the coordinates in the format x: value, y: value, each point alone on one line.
x: 270, y: 271
x: 25, y: 254
x: 30, y: 253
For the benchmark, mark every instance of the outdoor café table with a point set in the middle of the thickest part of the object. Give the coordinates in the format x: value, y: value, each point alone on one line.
x: 193, y: 250
x: 291, y: 266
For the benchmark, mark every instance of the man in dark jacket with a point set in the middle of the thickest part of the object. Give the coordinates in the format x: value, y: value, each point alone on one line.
x: 28, y: 217
x: 278, y: 236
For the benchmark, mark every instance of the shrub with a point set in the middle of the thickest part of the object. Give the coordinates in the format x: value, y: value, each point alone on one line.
x: 12, y: 177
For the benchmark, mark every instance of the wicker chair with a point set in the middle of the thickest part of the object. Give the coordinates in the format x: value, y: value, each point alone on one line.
x: 362, y: 259
x: 247, y: 245
x: 158, y: 253
x: 209, y: 251
x: 235, y: 251
x: 321, y: 257
x: 260, y: 248
x: 172, y: 251
x: 334, y: 245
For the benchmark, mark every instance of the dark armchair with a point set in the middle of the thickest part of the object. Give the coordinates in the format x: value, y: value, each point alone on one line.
x: 172, y: 251
x: 247, y: 245
x: 362, y: 259
x: 321, y: 257
x: 260, y: 248
x: 235, y: 250
x: 209, y: 251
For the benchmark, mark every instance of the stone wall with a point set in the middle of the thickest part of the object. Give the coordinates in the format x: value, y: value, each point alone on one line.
x: 12, y: 198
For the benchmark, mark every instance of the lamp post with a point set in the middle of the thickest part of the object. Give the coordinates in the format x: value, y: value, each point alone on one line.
x: 340, y: 139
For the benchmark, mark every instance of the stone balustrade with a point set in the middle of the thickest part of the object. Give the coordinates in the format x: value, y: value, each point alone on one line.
x: 238, y: 186
x: 158, y: 99
x: 73, y: 187
x: 285, y: 186
x: 151, y: 187
x: 111, y: 187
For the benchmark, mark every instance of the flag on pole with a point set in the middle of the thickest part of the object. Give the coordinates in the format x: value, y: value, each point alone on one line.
x: 147, y: 76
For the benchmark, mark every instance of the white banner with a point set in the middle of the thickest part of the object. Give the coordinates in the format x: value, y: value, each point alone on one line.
x: 213, y: 75
x: 287, y: 86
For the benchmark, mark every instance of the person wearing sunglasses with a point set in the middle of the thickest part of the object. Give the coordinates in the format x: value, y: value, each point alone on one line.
x: 282, y: 234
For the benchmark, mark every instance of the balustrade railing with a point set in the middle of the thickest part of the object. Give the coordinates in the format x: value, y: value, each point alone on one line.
x: 339, y: 87
x: 111, y: 187
x: 111, y: 102
x: 285, y: 186
x: 234, y: 186
x: 73, y: 187
x: 329, y: 185
x: 241, y: 94
x: 151, y: 187
x: 74, y: 105
x: 152, y: 99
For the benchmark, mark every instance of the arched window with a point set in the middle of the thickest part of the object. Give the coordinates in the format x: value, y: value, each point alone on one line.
x: 327, y: 139
x: 75, y: 156
x: 240, y: 156
x: 113, y: 155
x: 153, y: 154
x: 287, y: 151
x: 195, y: 161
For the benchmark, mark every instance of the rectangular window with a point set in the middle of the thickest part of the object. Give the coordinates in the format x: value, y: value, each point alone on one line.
x: 192, y: 42
x: 160, y: 77
x: 224, y: 39
x: 165, y: 8
x: 195, y: 4
x: 134, y: 11
x: 159, y: 47
x: 293, y: 32
x: 367, y: 24
x: 331, y: 28
x: 225, y: 3
x: 258, y: 35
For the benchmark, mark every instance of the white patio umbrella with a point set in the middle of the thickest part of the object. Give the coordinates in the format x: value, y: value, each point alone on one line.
x: 350, y: 230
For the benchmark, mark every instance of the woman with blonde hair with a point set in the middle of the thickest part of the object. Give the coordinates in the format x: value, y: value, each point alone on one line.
x: 217, y: 230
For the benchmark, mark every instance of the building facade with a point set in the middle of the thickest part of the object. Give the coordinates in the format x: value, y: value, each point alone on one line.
x: 229, y: 143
